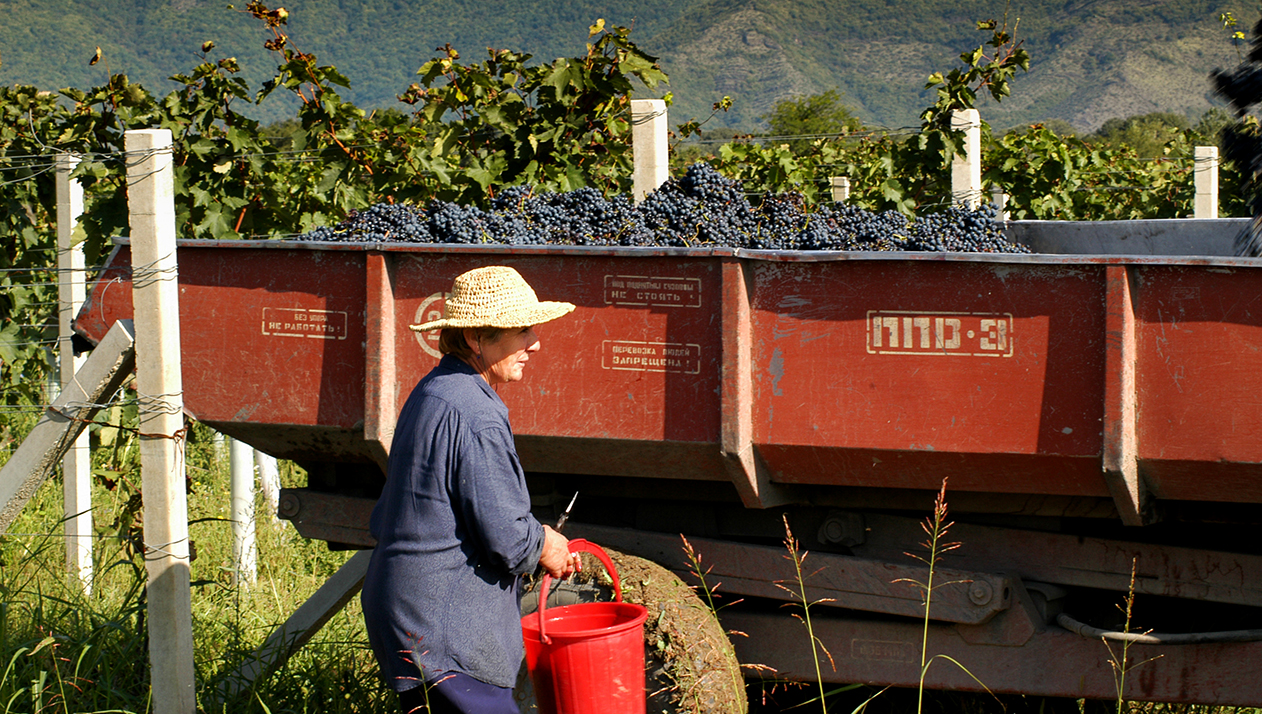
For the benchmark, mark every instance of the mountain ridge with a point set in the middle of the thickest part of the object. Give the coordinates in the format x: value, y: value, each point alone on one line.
x: 1092, y: 60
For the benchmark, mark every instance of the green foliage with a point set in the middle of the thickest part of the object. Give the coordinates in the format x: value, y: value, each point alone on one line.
x: 1059, y: 127
x: 27, y: 200
x: 958, y: 88
x: 991, y: 71
x: 1046, y: 174
x: 887, y: 172
x: 1066, y: 178
x: 1212, y: 124
x: 768, y: 169
x: 560, y: 126
x: 474, y: 127
x: 1147, y: 134
x: 812, y: 115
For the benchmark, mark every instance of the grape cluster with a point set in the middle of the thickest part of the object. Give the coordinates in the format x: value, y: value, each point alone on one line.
x: 958, y: 230
x: 379, y: 222
x: 848, y: 227
x: 702, y: 208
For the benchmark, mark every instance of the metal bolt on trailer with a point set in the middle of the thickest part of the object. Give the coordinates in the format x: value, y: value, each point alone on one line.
x: 1088, y: 411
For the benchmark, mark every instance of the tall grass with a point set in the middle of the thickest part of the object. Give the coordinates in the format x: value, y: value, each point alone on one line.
x: 796, y: 589
x: 64, y: 651
x: 936, y: 527
x: 1120, y: 660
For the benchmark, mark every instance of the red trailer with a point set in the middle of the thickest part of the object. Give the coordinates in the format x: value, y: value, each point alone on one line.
x: 1086, y: 412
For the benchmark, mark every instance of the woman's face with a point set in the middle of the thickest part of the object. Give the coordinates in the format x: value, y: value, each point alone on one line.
x: 504, y: 358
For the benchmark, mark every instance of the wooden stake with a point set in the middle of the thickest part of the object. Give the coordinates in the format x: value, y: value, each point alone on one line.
x: 159, y: 385
x: 300, y: 627
x: 102, y: 374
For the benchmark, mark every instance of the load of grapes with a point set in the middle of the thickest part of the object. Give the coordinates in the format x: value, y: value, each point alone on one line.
x: 698, y: 210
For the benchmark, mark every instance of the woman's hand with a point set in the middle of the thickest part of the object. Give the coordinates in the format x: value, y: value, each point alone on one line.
x: 556, y: 557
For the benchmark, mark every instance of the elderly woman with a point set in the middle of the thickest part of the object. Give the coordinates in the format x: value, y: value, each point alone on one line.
x: 453, y: 525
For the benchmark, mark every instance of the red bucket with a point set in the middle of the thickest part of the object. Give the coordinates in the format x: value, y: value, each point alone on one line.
x: 587, y: 658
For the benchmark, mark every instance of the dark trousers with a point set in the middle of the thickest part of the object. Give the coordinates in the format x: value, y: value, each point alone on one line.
x: 458, y: 693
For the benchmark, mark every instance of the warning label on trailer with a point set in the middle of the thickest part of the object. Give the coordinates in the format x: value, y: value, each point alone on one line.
x: 964, y: 334
x: 878, y: 650
x: 676, y: 357
x: 296, y: 322
x: 644, y: 291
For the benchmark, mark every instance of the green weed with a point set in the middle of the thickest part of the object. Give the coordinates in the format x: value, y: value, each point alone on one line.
x: 1120, y: 661
x: 64, y: 651
x: 936, y: 527
x: 797, y: 590
x: 797, y: 556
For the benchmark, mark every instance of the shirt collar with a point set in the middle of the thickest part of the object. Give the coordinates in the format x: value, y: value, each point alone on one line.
x: 454, y: 364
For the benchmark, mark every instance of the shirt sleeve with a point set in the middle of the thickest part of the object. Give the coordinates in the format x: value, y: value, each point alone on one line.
x: 492, y: 496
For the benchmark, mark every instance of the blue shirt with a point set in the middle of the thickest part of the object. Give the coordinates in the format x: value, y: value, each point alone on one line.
x: 454, y: 530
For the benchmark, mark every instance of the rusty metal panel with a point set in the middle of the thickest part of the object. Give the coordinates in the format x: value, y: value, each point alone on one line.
x: 836, y: 581
x: 381, y: 384
x: 1121, y: 461
x: 637, y: 361
x: 272, y: 342
x: 898, y: 373
x: 769, y: 370
x: 1200, y: 333
x: 1051, y: 662
x: 1072, y: 560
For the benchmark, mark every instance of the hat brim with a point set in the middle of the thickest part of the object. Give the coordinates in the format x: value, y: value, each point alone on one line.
x: 544, y: 311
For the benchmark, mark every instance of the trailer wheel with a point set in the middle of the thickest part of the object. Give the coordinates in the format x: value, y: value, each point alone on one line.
x: 690, y: 666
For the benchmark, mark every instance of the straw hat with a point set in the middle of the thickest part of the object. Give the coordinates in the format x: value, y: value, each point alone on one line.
x: 494, y: 296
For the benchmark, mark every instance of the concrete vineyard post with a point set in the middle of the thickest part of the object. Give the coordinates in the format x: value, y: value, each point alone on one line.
x: 269, y: 482
x: 244, y: 550
x: 1205, y: 172
x: 159, y: 387
x: 841, y: 188
x: 966, y: 170
x: 1000, y: 198
x: 649, y: 146
x: 76, y: 465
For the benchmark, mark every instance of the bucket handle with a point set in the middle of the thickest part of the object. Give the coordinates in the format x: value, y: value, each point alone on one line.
x: 578, y: 545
